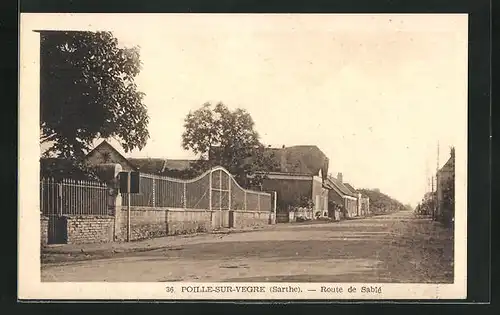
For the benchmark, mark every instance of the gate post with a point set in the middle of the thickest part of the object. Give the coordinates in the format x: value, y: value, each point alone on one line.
x: 59, y: 199
x: 184, y: 199
x: 229, y: 188
x: 210, y: 191
x: 154, y: 191
x: 275, y: 203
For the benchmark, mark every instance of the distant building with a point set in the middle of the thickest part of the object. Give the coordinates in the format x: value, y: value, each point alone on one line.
x: 363, y: 202
x: 297, y: 177
x: 105, y: 153
x: 445, y: 189
x: 341, y: 195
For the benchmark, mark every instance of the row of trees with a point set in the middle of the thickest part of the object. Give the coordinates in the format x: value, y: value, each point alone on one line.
x: 381, y: 203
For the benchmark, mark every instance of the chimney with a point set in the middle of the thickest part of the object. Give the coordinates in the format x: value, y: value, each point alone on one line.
x: 339, y: 177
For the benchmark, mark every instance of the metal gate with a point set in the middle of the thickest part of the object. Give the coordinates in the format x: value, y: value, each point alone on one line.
x: 52, y: 207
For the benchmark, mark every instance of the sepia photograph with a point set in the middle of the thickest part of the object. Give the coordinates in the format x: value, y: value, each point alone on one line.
x: 290, y: 156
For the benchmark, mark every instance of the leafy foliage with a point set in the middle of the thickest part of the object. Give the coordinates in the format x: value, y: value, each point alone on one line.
x: 408, y: 207
x: 87, y: 90
x: 381, y: 203
x: 227, y: 138
x: 59, y: 169
x: 303, y: 202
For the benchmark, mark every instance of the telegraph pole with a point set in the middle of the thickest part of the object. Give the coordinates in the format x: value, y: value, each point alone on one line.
x: 436, y: 203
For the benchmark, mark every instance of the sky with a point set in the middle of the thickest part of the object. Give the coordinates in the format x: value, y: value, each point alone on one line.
x: 375, y: 93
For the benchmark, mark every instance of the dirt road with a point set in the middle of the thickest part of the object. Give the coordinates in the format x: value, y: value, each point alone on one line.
x: 391, y: 248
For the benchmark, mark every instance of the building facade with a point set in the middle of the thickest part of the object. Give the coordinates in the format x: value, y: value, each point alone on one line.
x: 340, y: 195
x: 445, y: 190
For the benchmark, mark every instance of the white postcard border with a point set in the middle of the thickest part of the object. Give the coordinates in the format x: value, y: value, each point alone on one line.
x: 29, y: 283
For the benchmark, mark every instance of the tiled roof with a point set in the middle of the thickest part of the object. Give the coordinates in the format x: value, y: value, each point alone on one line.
x: 336, y: 184
x: 350, y: 188
x: 301, y: 159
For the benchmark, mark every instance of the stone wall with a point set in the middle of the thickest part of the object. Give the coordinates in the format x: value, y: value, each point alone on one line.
x: 243, y: 219
x: 89, y: 229
x: 147, y: 222
x: 188, y: 221
x: 285, y: 217
x: 44, y: 230
x: 272, y: 218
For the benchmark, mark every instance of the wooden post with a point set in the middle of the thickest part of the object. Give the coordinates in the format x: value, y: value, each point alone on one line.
x: 185, y: 197
x: 154, y: 192
x: 59, y: 199
x: 221, y: 218
x: 245, y: 199
x: 128, y: 208
x: 210, y: 191
x: 275, y: 202
x: 229, y: 196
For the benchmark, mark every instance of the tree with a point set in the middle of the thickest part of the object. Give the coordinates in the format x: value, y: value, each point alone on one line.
x: 381, y: 203
x: 227, y: 138
x: 87, y: 91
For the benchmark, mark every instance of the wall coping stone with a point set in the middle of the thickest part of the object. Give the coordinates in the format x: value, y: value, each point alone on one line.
x: 137, y: 208
x: 88, y: 216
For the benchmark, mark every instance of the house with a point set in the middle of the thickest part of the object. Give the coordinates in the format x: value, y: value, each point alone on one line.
x: 105, y: 153
x: 444, y: 178
x: 341, y: 195
x: 298, y: 178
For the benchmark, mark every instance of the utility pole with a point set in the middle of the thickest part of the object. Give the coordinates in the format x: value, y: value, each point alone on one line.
x: 427, y: 177
x: 436, y: 203
x: 437, y: 161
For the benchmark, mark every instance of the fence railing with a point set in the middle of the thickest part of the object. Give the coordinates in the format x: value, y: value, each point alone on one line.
x: 214, y: 190
x: 73, y: 197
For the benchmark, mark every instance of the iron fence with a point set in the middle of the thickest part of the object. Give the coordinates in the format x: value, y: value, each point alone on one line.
x: 214, y: 190
x: 73, y: 197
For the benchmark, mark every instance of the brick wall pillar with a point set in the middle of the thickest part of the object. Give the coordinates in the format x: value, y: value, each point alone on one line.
x: 109, y: 174
x: 115, y: 207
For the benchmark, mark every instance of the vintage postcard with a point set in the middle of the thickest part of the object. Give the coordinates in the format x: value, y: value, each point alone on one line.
x: 243, y: 156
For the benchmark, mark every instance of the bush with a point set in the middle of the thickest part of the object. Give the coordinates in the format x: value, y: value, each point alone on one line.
x: 324, y: 219
x: 302, y: 219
